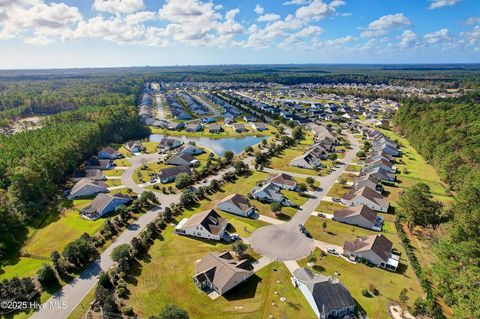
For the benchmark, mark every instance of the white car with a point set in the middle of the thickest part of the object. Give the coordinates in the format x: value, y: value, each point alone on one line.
x: 332, y: 251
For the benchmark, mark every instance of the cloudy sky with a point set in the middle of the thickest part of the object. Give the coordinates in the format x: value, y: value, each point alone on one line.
x: 94, y: 33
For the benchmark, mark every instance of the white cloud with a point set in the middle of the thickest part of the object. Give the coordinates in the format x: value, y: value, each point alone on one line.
x: 472, y: 38
x: 384, y: 24
x: 410, y: 39
x: 339, y: 41
x: 317, y: 9
x: 269, y: 17
x: 259, y: 9
x: 473, y: 20
x: 443, y: 3
x: 118, y: 6
x: 296, y: 2
x: 442, y: 35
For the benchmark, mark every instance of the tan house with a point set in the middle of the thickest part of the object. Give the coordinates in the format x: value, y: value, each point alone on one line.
x: 376, y: 249
x: 236, y: 204
x: 359, y: 215
x: 208, y: 224
x: 221, y: 272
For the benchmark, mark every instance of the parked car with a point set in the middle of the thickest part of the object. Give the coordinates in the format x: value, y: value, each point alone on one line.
x: 332, y: 251
x: 336, y: 199
x: 234, y: 237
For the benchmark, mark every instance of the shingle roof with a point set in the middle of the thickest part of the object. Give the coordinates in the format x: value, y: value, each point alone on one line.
x: 361, y: 210
x: 376, y: 243
x: 369, y: 194
x: 238, y: 200
x: 85, y: 182
x: 209, y: 219
x: 284, y: 179
x: 101, y: 201
x: 173, y: 171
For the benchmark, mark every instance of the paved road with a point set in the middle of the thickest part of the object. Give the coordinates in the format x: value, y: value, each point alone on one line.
x: 161, y: 114
x: 285, y: 241
x: 73, y: 293
x: 214, y: 111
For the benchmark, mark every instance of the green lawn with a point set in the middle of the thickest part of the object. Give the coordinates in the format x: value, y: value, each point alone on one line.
x: 167, y: 278
x: 357, y: 277
x: 123, y: 162
x: 329, y: 207
x: 141, y: 175
x: 353, y: 168
x: 113, y: 172
x: 113, y: 182
x: 348, y: 177
x: 338, y: 190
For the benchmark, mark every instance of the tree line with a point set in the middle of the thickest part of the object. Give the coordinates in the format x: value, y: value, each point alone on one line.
x: 447, y: 133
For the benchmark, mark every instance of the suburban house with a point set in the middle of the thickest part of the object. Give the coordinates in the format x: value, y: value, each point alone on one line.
x: 366, y: 196
x: 267, y: 192
x: 168, y: 143
x: 175, y: 125
x: 91, y: 174
x: 109, y: 153
x: 103, y: 164
x: 321, y: 133
x: 309, y: 160
x: 361, y: 216
x: 259, y: 126
x: 236, y: 204
x: 221, y: 272
x: 86, y: 187
x: 190, y: 149
x: 193, y: 127
x: 380, y: 174
x: 104, y: 204
x: 183, y: 159
x: 215, y: 128
x: 368, y: 181
x: 284, y: 181
x: 239, y: 127
x: 169, y: 174
x: 327, y: 296
x: 381, y: 163
x: 207, y: 224
x: 376, y: 249
x: 134, y: 146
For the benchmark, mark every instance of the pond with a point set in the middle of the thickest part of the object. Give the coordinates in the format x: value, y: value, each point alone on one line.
x: 217, y: 145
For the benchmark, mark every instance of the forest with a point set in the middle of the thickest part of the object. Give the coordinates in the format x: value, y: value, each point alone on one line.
x: 446, y: 133
x: 34, y: 164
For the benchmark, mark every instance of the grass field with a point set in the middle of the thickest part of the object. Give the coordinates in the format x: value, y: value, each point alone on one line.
x: 166, y: 277
x: 338, y: 190
x: 329, y: 207
x: 141, y: 175
x: 353, y: 168
x: 113, y: 172
x: 113, y: 182
x: 348, y: 177
x: 357, y: 277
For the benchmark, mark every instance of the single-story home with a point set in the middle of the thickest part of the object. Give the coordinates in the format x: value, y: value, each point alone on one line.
x: 366, y: 196
x: 134, y: 146
x: 284, y: 181
x: 175, y: 125
x: 109, y: 153
x: 368, y: 181
x: 92, y: 174
x: 221, y: 272
x: 239, y: 127
x: 190, y: 149
x: 236, y: 204
x: 169, y: 174
x: 259, y: 126
x: 361, y: 216
x: 183, y: 159
x: 215, y: 128
x: 104, y: 204
x: 168, y: 143
x: 327, y: 296
x: 104, y: 164
x: 86, y: 187
x: 267, y: 192
x: 376, y: 249
x: 307, y: 160
x: 207, y: 224
x: 193, y: 127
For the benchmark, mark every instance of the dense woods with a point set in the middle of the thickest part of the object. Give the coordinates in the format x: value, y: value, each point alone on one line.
x: 34, y: 163
x: 446, y: 133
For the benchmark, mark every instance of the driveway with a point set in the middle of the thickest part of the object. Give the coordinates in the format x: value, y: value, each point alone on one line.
x: 285, y: 241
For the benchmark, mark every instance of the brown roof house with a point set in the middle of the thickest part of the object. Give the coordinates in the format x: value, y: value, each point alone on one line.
x: 375, y: 249
x: 361, y: 216
x: 169, y: 174
x: 134, y: 146
x: 220, y: 272
x: 91, y: 174
x: 284, y: 181
x: 366, y: 196
x: 183, y: 159
x: 236, y: 204
x: 327, y: 296
x: 208, y: 224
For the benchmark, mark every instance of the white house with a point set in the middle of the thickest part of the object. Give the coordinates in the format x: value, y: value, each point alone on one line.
x: 267, y: 192
x: 104, y: 204
x: 327, y: 296
x: 236, y: 204
x: 376, y: 249
x: 368, y: 197
x: 208, y: 224
x: 284, y: 181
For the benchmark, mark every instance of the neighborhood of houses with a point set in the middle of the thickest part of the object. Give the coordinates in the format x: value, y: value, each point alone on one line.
x: 219, y: 272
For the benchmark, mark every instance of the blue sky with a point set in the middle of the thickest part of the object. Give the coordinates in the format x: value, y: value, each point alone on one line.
x: 105, y: 33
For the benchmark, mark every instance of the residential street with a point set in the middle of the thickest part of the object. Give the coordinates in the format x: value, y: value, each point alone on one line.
x: 285, y: 241
x: 161, y: 114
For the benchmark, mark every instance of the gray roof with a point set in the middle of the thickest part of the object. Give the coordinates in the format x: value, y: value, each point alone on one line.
x: 101, y: 201
x: 173, y: 171
x: 87, y: 182
x: 328, y: 292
